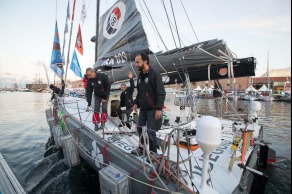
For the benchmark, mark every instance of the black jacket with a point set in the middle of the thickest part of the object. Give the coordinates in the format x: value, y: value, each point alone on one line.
x: 217, y: 90
x: 126, y: 98
x: 100, y: 85
x: 151, y: 92
x: 58, y: 91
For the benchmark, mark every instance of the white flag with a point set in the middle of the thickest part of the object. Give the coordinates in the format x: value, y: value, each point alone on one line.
x: 68, y: 11
x: 83, y: 12
x: 67, y: 18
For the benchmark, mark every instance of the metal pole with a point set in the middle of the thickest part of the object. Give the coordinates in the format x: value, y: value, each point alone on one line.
x: 97, y: 29
x: 67, y: 62
x: 177, y: 164
x: 205, y: 171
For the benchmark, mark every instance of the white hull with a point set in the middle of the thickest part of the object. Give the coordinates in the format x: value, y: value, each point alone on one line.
x: 23, y: 90
x: 250, y: 98
x: 267, y: 98
x: 219, y: 159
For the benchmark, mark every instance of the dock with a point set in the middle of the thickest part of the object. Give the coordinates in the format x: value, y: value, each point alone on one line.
x: 8, y: 182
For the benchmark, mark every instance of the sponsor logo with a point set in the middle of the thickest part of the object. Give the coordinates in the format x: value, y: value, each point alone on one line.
x: 114, y: 20
x: 96, y: 155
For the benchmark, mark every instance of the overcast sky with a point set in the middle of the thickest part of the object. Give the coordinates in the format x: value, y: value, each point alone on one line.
x: 249, y: 27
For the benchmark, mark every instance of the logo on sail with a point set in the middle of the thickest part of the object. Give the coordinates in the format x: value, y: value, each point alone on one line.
x: 114, y: 20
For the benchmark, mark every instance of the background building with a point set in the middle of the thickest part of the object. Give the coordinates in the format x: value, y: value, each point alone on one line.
x: 278, y: 78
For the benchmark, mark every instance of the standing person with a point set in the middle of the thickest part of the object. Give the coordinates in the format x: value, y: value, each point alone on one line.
x: 99, y: 83
x: 217, y: 94
x: 84, y: 80
x: 150, y: 98
x: 126, y: 101
x: 57, y: 91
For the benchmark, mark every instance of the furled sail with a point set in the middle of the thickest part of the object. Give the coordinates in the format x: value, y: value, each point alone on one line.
x: 122, y: 37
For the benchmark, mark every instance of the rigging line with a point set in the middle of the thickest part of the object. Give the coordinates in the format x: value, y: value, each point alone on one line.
x: 179, y: 39
x: 113, y: 147
x: 156, y: 30
x: 160, y: 64
x: 178, y: 73
x: 189, y: 174
x: 185, y: 71
x: 100, y: 162
x: 228, y: 49
x: 211, y: 54
x: 189, y: 20
x: 155, y: 25
x: 130, y: 54
x: 157, y: 33
x: 146, y: 151
x: 95, y: 159
x: 221, y: 185
x: 168, y: 19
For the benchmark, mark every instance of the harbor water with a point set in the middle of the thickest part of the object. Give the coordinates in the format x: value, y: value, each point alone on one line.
x: 26, y: 144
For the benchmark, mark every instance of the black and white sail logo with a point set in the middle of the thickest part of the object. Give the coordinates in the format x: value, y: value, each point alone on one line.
x: 114, y: 20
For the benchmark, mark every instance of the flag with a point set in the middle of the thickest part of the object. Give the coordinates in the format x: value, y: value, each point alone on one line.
x: 79, y: 44
x: 67, y: 18
x: 66, y: 30
x: 56, y: 58
x: 83, y: 12
x: 73, y: 12
x: 75, y: 67
x: 68, y: 11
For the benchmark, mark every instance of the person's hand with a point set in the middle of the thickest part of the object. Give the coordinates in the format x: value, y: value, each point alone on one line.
x: 103, y: 100
x: 130, y: 74
x: 135, y: 107
x: 158, y: 114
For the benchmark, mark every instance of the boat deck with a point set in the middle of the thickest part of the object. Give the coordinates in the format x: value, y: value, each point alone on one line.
x: 8, y: 181
x: 219, y: 159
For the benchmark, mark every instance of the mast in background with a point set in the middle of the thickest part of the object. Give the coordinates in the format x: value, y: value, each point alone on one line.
x: 268, y: 73
x: 97, y: 29
x: 1, y: 76
x: 47, y: 76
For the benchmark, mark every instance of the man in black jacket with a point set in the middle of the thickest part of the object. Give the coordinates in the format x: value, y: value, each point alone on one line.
x: 150, y: 98
x: 126, y: 101
x: 99, y: 83
x: 57, y: 91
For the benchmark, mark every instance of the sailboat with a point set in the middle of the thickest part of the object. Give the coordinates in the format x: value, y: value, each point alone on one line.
x: 198, y: 153
x: 266, y: 91
x: 266, y: 94
x: 286, y: 95
x: 252, y: 93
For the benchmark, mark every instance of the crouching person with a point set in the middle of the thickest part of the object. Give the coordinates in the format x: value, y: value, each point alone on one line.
x: 99, y: 83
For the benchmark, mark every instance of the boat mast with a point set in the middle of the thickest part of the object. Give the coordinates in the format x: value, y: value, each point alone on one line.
x: 268, y: 73
x: 47, y: 76
x: 97, y: 29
